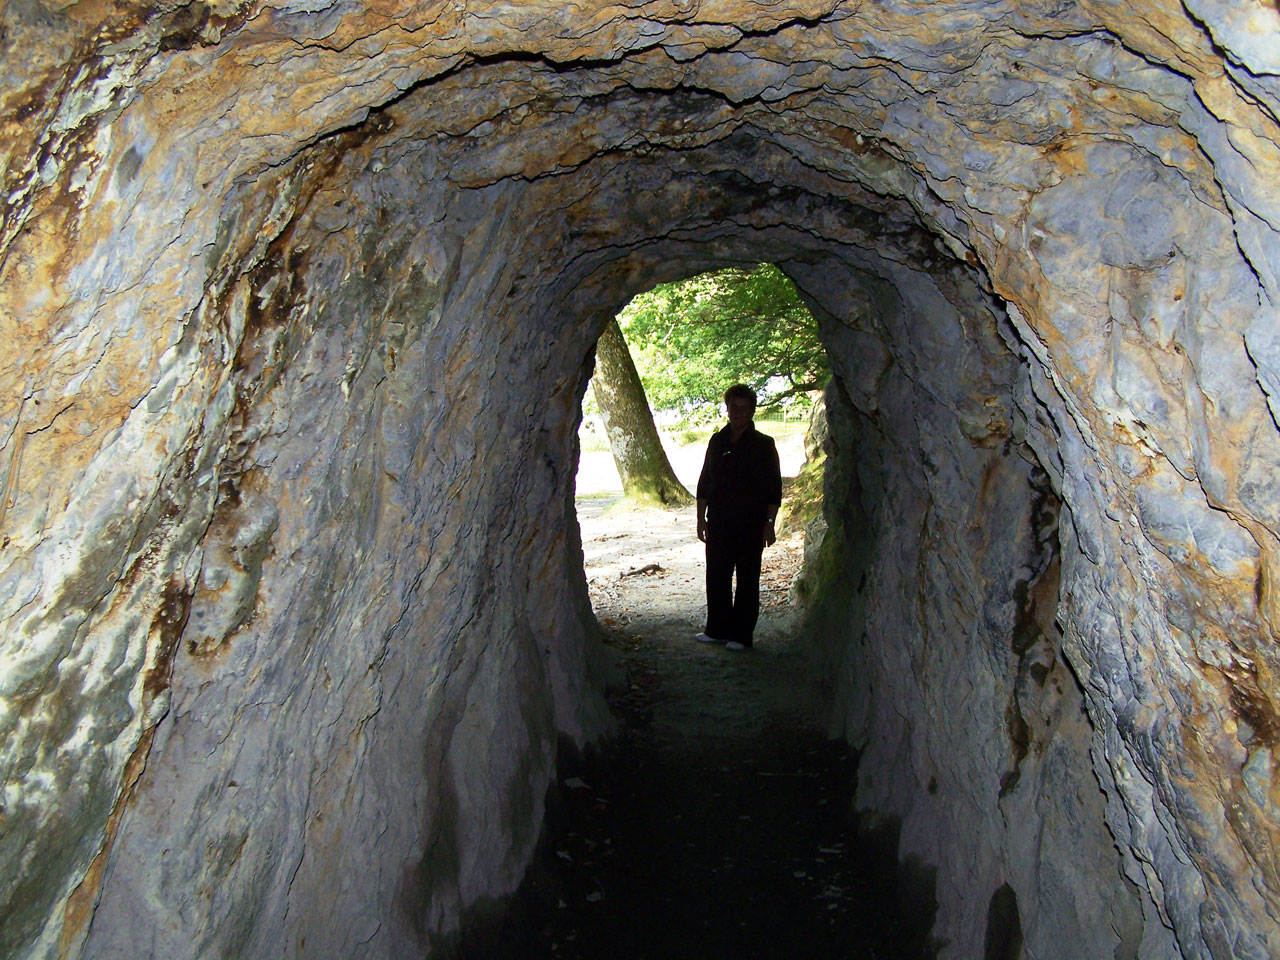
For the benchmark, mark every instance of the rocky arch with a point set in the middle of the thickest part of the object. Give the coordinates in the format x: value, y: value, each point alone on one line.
x: 297, y: 299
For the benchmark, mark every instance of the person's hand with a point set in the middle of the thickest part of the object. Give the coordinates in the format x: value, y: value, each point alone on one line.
x: 770, y: 538
x: 702, y: 529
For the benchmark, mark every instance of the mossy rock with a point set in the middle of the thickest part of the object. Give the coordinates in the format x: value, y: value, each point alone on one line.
x: 802, y: 498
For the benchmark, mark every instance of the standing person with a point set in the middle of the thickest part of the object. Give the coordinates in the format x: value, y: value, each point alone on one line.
x: 739, y: 492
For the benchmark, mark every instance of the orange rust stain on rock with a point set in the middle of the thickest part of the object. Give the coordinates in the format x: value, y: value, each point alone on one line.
x: 84, y: 898
x: 1067, y: 156
x: 167, y: 625
x: 851, y: 140
x: 1251, y: 704
x: 207, y: 650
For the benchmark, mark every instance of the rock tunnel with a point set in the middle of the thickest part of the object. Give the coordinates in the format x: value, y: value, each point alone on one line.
x: 299, y: 300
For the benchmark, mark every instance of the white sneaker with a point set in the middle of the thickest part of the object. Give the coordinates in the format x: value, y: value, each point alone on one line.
x: 703, y: 638
x: 734, y: 645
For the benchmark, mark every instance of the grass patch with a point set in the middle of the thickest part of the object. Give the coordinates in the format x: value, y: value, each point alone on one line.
x: 589, y: 441
x: 779, y: 428
x: 691, y: 435
x: 598, y: 495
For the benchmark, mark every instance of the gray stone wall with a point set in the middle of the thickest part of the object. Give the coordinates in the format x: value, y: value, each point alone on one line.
x: 384, y: 640
x: 942, y: 573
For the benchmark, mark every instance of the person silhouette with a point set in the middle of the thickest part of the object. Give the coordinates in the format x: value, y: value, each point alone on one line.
x: 738, y: 496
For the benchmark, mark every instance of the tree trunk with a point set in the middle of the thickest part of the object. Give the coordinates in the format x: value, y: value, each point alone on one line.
x: 642, y: 463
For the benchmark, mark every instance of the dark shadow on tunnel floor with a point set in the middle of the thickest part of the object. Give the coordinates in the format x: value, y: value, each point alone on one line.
x: 711, y: 846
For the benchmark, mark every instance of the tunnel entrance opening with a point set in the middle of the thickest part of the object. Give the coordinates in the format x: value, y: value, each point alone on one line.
x: 684, y: 343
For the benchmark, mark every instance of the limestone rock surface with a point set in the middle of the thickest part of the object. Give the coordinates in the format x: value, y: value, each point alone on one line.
x: 297, y: 302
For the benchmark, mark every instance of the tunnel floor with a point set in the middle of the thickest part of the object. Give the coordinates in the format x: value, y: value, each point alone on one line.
x: 717, y: 824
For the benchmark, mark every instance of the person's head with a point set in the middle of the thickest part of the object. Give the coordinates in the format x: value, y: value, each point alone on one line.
x: 740, y: 403
x: 740, y: 391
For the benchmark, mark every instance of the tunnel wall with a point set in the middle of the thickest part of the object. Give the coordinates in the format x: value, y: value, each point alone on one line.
x: 1100, y: 630
x: 369, y: 612
x: 384, y: 646
x: 937, y: 609
x: 296, y: 302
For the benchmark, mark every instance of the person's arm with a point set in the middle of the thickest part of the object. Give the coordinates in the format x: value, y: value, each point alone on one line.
x: 773, y: 494
x: 771, y: 514
x: 704, y: 490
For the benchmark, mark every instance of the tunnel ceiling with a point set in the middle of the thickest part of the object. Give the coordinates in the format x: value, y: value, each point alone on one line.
x: 283, y: 278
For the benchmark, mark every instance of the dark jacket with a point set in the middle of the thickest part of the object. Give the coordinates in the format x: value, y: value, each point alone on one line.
x: 739, y: 480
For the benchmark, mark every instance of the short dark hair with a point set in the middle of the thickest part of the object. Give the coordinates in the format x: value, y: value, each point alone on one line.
x: 742, y: 392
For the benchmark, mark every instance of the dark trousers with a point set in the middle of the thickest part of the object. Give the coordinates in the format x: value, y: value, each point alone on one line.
x: 732, y: 615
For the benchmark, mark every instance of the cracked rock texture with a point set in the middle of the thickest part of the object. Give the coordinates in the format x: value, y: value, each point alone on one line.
x: 296, y: 306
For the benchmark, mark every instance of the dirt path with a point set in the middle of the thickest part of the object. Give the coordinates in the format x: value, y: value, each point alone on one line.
x: 717, y: 825
x: 708, y: 692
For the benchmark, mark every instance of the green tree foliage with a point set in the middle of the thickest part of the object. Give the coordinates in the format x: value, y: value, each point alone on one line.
x: 692, y: 338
